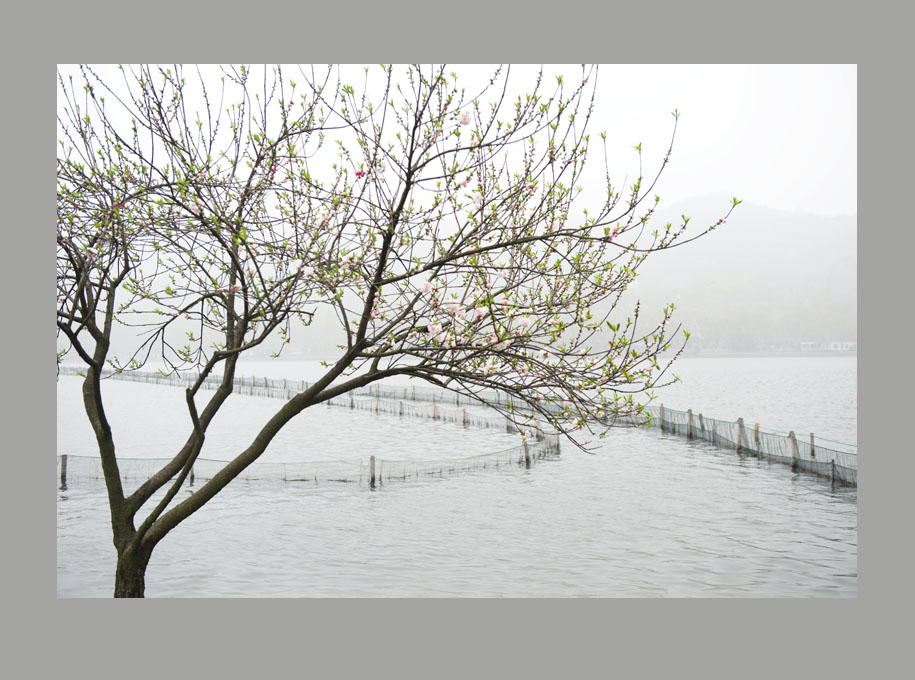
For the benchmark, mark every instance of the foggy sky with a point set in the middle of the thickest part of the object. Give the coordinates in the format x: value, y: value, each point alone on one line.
x: 781, y: 136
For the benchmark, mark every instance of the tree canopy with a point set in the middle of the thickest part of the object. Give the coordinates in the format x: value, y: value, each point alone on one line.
x: 218, y: 210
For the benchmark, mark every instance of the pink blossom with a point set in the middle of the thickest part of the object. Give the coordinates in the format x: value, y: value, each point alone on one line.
x: 453, y: 308
x: 308, y: 271
x: 480, y: 312
x: 464, y: 179
x: 427, y: 286
x: 464, y: 118
x: 360, y: 173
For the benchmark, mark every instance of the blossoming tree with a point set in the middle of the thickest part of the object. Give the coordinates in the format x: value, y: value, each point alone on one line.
x: 436, y: 224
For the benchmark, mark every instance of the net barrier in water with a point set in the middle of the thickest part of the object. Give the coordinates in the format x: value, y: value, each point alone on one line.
x: 435, y: 403
x: 537, y: 443
x: 362, y: 472
x: 798, y: 452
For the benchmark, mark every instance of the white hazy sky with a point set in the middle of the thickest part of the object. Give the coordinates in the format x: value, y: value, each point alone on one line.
x: 782, y: 136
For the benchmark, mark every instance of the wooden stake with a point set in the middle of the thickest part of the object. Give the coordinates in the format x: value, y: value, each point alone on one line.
x: 689, y: 424
x: 372, y: 472
x: 63, y: 471
x: 813, y: 451
x: 740, y: 434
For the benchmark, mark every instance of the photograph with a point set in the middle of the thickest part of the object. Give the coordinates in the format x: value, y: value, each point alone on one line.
x: 457, y: 331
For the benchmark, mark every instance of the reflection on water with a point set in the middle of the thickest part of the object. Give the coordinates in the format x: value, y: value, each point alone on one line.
x: 649, y: 515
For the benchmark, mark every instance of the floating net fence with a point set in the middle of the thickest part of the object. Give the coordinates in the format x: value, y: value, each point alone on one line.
x: 416, y: 402
x: 361, y: 472
x: 800, y: 454
x: 281, y: 388
x: 537, y: 443
x: 435, y: 403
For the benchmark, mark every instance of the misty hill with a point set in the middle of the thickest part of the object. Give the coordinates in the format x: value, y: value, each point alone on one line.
x: 767, y: 279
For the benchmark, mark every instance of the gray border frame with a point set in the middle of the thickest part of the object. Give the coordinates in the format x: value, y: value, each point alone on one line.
x: 446, y: 638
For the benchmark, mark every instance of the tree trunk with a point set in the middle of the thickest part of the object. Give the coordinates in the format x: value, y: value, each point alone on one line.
x: 130, y: 576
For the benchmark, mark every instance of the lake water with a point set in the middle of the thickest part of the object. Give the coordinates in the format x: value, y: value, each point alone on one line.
x: 649, y: 515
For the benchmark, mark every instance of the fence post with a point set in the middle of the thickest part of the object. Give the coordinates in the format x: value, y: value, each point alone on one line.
x: 401, y: 409
x: 466, y: 419
x: 434, y: 409
x: 740, y: 434
x: 833, y: 469
x: 813, y: 452
x: 689, y: 424
x: 662, y: 417
x: 377, y: 402
x: 192, y: 476
x: 63, y: 471
x: 793, y: 441
x: 527, y: 454
x: 702, y: 426
x: 372, y: 472
x: 756, y: 435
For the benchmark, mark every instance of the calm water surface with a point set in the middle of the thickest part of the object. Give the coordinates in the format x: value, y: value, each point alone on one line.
x: 648, y: 516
